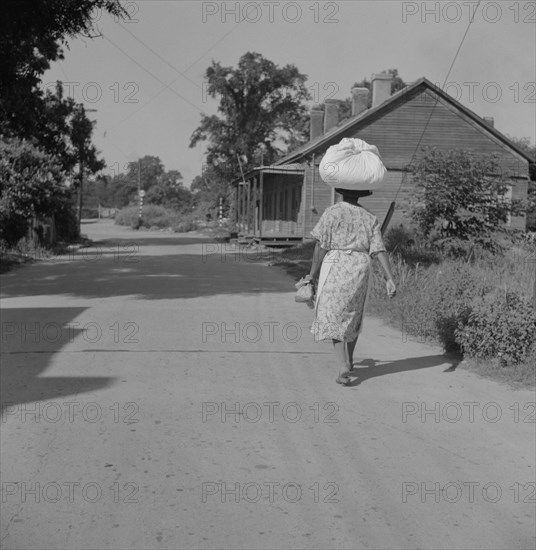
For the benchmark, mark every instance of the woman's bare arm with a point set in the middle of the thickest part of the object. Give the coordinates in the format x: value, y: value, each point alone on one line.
x: 384, y: 261
x: 390, y: 284
x: 318, y: 257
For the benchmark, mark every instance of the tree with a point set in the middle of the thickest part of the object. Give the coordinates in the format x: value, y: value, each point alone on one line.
x: 169, y: 191
x: 80, y: 130
x: 33, y: 33
x: 208, y: 189
x: 124, y: 187
x: 152, y: 170
x: 524, y: 144
x: 162, y: 187
x: 31, y: 185
x: 460, y: 197
x: 530, y: 149
x: 259, y: 101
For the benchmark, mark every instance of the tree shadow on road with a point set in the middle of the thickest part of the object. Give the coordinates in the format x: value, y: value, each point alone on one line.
x: 149, y: 277
x: 31, y: 337
x: 370, y: 368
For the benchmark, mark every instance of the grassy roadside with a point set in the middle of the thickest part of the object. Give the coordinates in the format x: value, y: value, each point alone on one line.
x: 25, y: 252
x: 11, y: 260
x: 434, y: 295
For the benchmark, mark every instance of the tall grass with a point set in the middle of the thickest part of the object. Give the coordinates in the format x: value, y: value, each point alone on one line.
x: 477, y: 304
x: 156, y: 216
x: 480, y: 306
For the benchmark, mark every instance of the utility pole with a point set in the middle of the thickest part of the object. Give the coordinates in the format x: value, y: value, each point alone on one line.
x: 81, y: 187
x: 139, y: 176
x: 141, y: 194
x: 80, y: 190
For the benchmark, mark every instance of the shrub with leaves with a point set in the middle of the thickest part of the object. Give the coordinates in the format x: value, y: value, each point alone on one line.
x: 454, y: 296
x: 458, y: 197
x: 501, y: 326
x: 406, y: 243
x: 31, y: 184
x: 153, y: 215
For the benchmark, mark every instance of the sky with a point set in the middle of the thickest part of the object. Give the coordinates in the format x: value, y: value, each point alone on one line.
x: 144, y: 77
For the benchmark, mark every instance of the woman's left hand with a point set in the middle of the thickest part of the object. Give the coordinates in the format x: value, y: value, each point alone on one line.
x: 391, y: 288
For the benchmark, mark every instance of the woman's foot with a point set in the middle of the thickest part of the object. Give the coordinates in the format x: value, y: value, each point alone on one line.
x: 343, y: 378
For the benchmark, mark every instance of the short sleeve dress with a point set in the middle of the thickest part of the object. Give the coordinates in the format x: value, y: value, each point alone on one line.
x: 351, y: 235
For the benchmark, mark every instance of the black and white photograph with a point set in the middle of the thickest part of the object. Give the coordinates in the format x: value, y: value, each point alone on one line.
x: 267, y: 275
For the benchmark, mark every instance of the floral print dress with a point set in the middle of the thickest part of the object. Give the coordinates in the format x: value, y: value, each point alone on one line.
x: 351, y: 235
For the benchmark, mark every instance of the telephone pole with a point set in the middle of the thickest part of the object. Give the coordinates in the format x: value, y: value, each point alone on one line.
x: 81, y: 186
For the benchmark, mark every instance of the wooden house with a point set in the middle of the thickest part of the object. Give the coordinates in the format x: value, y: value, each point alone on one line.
x: 285, y: 201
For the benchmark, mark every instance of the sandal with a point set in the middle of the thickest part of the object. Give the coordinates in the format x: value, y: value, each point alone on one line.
x: 343, y: 378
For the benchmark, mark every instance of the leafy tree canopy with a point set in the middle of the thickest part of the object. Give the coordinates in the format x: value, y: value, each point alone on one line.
x: 34, y: 33
x: 31, y: 184
x: 459, y: 195
x: 162, y: 187
x: 261, y: 105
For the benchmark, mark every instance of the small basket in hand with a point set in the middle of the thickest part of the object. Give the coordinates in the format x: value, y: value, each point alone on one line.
x: 305, y: 292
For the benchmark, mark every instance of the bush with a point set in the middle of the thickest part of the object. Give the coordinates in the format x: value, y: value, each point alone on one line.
x: 452, y: 301
x: 152, y: 215
x: 66, y: 223
x: 185, y: 226
x: 13, y: 227
x: 31, y: 184
x: 398, y: 238
x: 502, y: 326
x: 413, y: 248
x: 90, y: 212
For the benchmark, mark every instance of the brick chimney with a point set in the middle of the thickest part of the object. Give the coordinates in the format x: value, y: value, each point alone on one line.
x: 490, y: 121
x: 359, y: 100
x: 331, y: 114
x: 317, y: 120
x: 381, y: 88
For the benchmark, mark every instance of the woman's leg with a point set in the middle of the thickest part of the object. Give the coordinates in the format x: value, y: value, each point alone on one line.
x: 350, y: 347
x: 342, y: 356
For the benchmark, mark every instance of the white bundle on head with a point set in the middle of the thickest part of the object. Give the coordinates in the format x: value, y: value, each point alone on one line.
x: 352, y: 164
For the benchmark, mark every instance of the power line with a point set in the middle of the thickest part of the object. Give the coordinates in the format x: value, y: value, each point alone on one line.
x: 159, y: 56
x: 166, y: 86
x: 150, y: 73
x: 437, y: 99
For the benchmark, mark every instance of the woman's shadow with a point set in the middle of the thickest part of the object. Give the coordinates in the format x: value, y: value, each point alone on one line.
x: 370, y: 368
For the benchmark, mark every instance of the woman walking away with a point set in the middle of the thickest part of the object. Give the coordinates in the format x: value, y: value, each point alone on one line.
x: 347, y: 237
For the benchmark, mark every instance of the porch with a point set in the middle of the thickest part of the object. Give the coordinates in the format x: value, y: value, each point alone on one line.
x: 268, y: 202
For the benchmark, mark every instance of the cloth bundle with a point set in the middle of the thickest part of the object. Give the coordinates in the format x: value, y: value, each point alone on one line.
x: 352, y: 164
x: 305, y: 293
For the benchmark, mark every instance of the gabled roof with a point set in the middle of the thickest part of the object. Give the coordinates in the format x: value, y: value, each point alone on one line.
x: 366, y: 117
x: 292, y: 168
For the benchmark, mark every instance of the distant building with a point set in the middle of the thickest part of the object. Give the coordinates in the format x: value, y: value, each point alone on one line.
x: 285, y: 200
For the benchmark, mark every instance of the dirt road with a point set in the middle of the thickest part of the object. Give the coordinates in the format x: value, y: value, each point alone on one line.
x: 163, y: 391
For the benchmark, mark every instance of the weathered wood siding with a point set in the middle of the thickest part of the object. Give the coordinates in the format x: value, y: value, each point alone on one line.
x: 378, y: 203
x: 282, y: 197
x: 399, y: 136
x: 279, y: 229
x: 316, y: 197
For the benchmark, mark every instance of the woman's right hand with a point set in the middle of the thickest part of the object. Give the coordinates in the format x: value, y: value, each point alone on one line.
x: 391, y: 288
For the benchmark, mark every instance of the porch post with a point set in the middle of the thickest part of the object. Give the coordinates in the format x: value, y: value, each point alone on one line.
x: 261, y: 202
x: 238, y: 206
x: 242, y: 191
x: 248, y: 204
x: 254, y: 207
